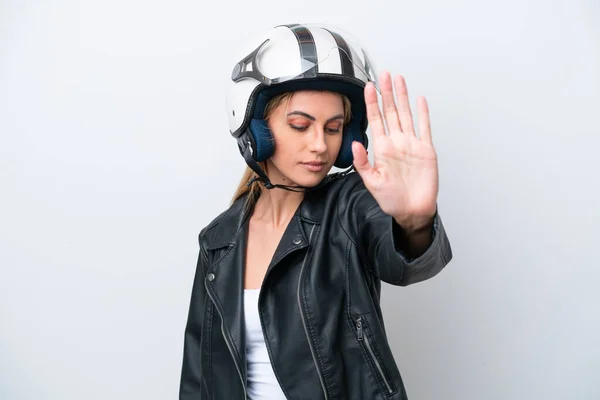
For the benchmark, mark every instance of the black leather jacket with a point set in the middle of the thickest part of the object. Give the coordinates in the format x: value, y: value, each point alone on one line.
x: 319, y: 303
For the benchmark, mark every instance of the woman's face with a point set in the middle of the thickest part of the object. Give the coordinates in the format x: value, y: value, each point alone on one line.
x: 308, y: 135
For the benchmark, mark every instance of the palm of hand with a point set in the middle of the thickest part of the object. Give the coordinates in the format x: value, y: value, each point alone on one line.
x: 404, y: 176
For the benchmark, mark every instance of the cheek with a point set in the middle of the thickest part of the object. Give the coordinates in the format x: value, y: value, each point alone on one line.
x: 285, y: 148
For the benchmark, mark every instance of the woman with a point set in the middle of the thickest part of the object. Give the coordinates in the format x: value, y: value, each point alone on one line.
x: 285, y: 301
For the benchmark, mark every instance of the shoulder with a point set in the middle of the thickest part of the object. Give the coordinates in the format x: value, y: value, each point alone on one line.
x: 342, y: 185
x: 213, y: 224
x: 226, y: 220
x: 353, y: 195
x: 347, y: 199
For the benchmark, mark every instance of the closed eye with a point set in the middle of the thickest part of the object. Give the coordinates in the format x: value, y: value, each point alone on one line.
x: 303, y: 128
x: 299, y: 128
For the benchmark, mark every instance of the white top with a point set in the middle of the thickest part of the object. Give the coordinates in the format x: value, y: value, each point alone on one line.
x: 262, y: 383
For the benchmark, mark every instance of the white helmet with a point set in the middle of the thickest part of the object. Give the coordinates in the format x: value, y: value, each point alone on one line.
x: 296, y: 57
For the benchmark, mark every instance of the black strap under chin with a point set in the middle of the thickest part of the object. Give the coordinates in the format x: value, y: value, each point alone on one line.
x: 262, y: 176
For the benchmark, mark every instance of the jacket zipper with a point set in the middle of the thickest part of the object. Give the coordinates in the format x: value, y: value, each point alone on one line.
x: 237, y: 367
x: 312, y: 350
x: 363, y: 338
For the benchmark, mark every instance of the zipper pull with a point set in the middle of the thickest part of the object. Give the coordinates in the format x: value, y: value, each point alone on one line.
x: 359, y: 328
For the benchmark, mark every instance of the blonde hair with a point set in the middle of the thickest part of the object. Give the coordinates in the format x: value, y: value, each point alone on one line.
x: 254, y: 190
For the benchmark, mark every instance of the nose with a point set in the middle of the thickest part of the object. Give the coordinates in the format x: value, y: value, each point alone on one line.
x: 317, y: 142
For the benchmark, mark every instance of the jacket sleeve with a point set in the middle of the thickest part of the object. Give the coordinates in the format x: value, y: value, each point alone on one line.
x: 379, y: 239
x: 191, y: 371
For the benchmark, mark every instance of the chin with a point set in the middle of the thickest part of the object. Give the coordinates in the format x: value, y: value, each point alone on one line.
x: 309, y: 180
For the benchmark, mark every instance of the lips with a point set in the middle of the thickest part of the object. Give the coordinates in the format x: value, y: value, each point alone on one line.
x: 314, y: 163
x: 313, y: 166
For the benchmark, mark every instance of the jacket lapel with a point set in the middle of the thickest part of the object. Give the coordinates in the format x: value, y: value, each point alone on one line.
x: 225, y: 278
x: 293, y: 238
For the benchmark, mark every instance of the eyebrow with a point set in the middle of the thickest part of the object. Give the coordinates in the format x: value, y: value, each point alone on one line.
x: 303, y: 114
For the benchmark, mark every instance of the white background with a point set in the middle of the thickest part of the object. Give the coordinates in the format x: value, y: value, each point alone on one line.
x: 114, y: 153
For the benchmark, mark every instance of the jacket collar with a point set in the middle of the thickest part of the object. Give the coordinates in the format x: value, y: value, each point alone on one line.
x: 232, y: 229
x: 229, y: 225
x: 235, y: 218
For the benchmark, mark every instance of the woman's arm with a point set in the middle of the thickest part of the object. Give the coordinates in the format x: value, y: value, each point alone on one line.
x: 395, y: 254
x: 399, y: 257
x: 401, y: 232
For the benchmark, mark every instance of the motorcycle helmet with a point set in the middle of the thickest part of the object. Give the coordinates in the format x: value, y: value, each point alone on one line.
x: 290, y: 58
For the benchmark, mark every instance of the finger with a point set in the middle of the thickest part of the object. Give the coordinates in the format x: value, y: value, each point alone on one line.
x: 404, y: 113
x: 389, y: 104
x: 373, y: 113
x: 361, y: 160
x: 424, y: 121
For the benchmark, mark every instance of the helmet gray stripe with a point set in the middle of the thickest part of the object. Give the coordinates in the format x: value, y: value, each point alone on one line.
x: 308, y: 49
x: 345, y: 54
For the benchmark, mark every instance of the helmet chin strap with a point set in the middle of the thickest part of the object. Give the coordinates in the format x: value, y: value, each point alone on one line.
x: 262, y: 176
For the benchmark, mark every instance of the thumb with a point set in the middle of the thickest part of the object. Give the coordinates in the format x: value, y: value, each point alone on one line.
x: 361, y: 161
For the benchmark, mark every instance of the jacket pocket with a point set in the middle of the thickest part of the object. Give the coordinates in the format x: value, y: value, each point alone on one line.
x: 370, y: 351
